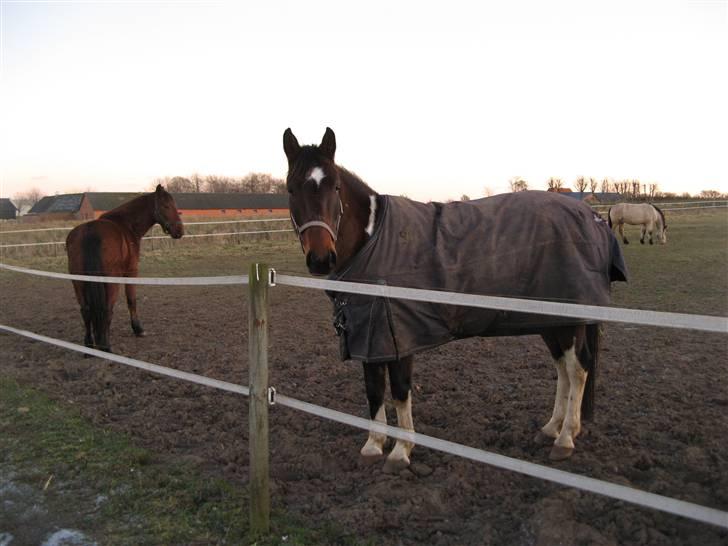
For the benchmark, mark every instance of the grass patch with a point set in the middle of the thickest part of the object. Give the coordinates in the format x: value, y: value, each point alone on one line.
x: 117, y: 493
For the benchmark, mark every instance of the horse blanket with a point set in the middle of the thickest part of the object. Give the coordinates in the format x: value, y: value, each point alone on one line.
x: 531, y: 244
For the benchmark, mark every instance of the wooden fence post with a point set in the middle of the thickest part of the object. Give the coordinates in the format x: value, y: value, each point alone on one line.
x: 258, y: 414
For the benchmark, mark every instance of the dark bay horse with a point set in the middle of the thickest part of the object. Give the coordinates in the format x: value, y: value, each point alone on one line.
x: 110, y: 246
x: 527, y: 244
x: 646, y: 215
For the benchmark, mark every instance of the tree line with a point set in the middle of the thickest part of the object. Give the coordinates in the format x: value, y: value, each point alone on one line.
x: 212, y: 183
x: 629, y: 188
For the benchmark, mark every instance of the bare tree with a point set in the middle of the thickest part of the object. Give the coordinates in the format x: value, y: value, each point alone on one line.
x: 709, y: 194
x: 180, y: 184
x: 605, y: 185
x: 555, y: 183
x: 652, y: 188
x: 635, y: 188
x: 214, y: 183
x: 518, y: 184
x: 593, y: 184
x: 580, y: 184
x: 262, y: 183
x: 464, y: 197
x: 27, y: 198
x: 197, y: 182
x: 488, y: 191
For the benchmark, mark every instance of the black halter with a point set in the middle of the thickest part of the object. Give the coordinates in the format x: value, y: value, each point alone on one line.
x: 158, y: 216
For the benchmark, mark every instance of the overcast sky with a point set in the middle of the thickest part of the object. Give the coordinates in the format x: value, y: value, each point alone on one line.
x: 431, y: 100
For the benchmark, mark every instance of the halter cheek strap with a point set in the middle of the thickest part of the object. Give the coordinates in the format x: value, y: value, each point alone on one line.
x: 158, y: 216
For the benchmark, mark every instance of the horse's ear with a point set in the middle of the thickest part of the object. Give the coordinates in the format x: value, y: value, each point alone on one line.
x: 328, y: 144
x: 290, y: 145
x: 159, y: 189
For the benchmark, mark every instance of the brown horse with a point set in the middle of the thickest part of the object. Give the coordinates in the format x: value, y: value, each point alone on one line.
x: 110, y: 246
x: 526, y: 244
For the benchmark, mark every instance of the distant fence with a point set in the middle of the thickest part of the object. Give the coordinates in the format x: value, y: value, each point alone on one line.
x: 260, y: 279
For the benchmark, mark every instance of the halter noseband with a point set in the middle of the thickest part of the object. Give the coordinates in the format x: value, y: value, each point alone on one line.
x: 319, y: 223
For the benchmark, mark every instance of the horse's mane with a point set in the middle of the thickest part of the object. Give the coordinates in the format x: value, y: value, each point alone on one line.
x: 662, y: 215
x: 126, y: 208
x: 351, y: 178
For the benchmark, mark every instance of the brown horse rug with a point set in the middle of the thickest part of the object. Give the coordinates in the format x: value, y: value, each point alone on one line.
x: 533, y: 244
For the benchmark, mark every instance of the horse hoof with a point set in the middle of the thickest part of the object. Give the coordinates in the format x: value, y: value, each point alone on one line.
x: 559, y: 453
x: 140, y: 333
x: 626, y: 242
x: 370, y: 460
x: 395, y: 466
x: 542, y: 439
x: 370, y: 455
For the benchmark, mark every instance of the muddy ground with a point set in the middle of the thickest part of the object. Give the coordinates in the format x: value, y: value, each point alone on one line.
x: 660, y: 421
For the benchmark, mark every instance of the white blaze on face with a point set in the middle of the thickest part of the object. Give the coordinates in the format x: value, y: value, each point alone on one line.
x: 372, y: 214
x: 317, y: 175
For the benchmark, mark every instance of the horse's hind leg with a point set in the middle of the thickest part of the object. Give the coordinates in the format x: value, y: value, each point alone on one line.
x: 569, y: 392
x: 643, y: 230
x: 136, y: 326
x: 400, y: 379
x: 375, y: 379
x: 550, y: 431
x: 103, y: 338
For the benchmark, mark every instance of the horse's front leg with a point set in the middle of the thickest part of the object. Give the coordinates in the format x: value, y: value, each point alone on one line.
x: 400, y: 379
x: 375, y: 381
x: 621, y: 233
x: 136, y: 326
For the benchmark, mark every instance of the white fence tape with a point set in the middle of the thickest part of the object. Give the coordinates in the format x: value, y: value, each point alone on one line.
x: 607, y: 489
x: 289, y: 230
x: 286, y: 219
x: 706, y: 204
x: 589, y: 312
x: 172, y: 281
x: 635, y: 496
x: 177, y: 374
x: 643, y: 317
x: 221, y: 234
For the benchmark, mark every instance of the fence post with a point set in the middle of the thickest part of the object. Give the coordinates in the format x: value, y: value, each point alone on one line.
x: 258, y: 414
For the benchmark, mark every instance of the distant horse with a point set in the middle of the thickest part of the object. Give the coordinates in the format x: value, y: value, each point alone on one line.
x: 110, y: 246
x: 525, y: 244
x: 647, y: 215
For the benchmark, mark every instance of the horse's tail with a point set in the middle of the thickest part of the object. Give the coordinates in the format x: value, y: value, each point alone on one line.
x: 589, y: 358
x: 94, y: 293
x: 609, y: 217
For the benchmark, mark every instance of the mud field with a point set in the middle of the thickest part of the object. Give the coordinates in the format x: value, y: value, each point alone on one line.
x: 660, y: 420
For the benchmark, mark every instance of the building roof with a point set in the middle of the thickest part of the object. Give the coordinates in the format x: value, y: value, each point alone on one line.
x: 42, y: 205
x: 7, y: 204
x: 231, y: 200
x: 69, y: 202
x: 105, y: 201
x: 110, y: 200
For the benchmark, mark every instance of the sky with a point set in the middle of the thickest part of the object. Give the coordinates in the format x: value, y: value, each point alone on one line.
x: 429, y: 100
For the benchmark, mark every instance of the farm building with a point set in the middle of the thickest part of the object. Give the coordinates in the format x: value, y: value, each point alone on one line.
x: 8, y: 210
x: 90, y: 205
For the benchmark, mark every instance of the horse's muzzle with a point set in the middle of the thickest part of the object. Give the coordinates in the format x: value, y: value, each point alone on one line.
x: 320, y: 265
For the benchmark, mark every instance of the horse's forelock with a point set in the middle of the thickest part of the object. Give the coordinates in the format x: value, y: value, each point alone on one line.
x: 308, y: 158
